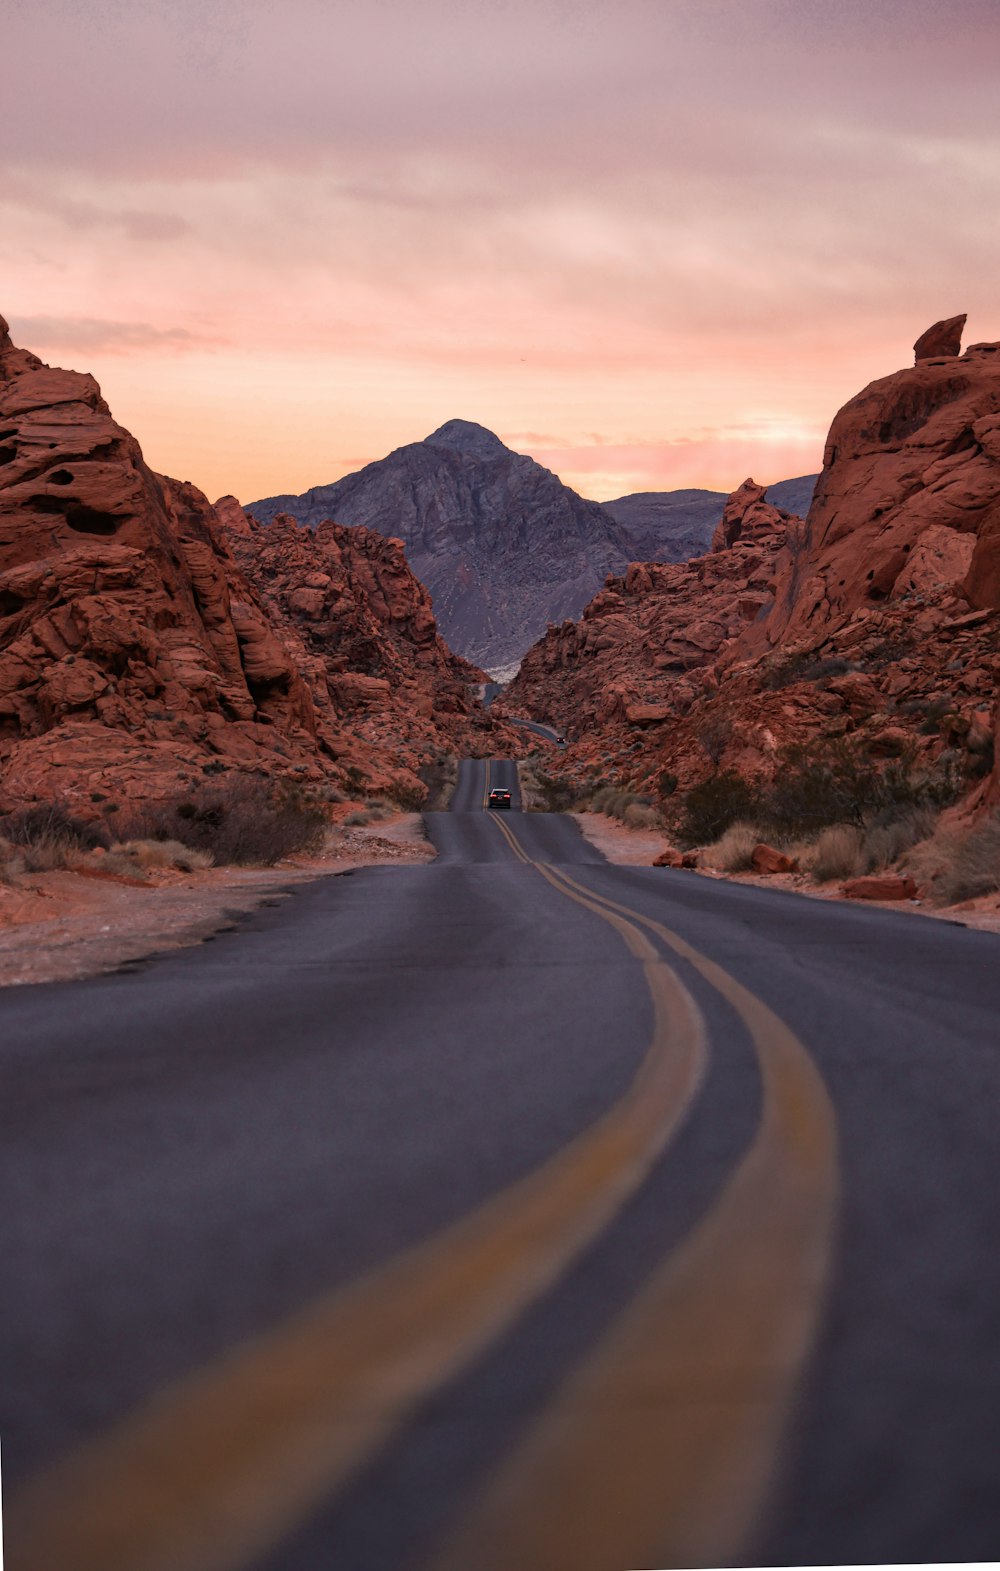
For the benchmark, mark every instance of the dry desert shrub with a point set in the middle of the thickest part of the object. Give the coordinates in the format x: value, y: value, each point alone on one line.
x: 973, y: 866
x: 733, y: 851
x: 711, y: 807
x: 47, y: 838
x: 836, y: 853
x: 894, y: 834
x: 145, y: 854
x: 247, y: 823
x: 439, y: 776
x: 11, y: 862
x: 601, y: 797
x: 639, y: 815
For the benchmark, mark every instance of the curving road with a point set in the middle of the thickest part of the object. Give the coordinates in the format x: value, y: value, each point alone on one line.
x: 510, y: 1210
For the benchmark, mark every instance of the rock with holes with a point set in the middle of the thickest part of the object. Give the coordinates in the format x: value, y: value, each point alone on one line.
x: 127, y: 622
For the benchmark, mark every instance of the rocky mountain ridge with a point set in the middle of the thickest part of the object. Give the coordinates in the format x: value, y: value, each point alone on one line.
x: 502, y: 544
x: 138, y: 655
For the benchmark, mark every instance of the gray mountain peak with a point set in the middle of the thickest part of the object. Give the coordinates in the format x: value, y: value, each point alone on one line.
x: 464, y: 436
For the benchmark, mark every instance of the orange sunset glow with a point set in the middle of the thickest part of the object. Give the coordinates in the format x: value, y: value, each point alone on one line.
x: 653, y: 245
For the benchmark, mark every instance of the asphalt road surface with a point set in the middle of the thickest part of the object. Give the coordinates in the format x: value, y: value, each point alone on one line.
x: 514, y: 1212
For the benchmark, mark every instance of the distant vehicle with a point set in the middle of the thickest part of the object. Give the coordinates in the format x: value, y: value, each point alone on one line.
x: 561, y: 740
x: 498, y: 798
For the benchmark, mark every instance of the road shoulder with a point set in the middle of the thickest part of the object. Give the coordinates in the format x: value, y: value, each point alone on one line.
x: 638, y: 847
x: 63, y: 926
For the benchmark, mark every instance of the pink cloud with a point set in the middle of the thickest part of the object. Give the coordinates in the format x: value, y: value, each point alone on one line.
x: 90, y: 335
x: 651, y: 239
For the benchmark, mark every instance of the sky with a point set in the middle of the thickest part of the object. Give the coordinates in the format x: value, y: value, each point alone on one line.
x: 653, y: 243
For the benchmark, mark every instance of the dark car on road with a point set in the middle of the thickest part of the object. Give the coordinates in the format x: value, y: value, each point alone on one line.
x: 498, y: 798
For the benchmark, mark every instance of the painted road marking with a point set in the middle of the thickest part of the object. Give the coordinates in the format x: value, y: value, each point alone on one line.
x: 229, y: 1460
x: 661, y: 1447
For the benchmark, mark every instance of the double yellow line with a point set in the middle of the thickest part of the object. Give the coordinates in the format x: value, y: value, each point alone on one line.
x: 660, y: 1449
x: 228, y: 1460
x: 657, y: 1451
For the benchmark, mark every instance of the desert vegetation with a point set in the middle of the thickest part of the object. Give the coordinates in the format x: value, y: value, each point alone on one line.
x: 439, y: 776
x: 244, y: 823
x: 841, y: 816
x: 247, y: 822
x: 813, y: 790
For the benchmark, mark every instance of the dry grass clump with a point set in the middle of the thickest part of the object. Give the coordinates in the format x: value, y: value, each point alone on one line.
x: 969, y: 865
x: 733, y: 851
x: 374, y: 813
x: 892, y: 836
x: 851, y: 850
x: 439, y: 775
x: 638, y: 815
x: 836, y: 853
x: 144, y: 854
x: 11, y: 862
x: 628, y: 807
x: 46, y: 838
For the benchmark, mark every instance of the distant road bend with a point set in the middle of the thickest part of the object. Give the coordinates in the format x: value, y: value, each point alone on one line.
x: 510, y: 1211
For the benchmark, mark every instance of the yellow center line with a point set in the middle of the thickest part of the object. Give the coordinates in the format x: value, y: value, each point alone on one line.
x: 661, y: 1448
x: 228, y: 1460
x: 486, y: 788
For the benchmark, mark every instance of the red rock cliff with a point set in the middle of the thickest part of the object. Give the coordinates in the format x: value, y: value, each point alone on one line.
x: 876, y: 617
x: 137, y: 655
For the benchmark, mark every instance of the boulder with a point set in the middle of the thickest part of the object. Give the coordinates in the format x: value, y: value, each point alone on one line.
x: 669, y: 858
x: 765, y: 859
x: 647, y: 714
x: 880, y: 886
x: 943, y: 339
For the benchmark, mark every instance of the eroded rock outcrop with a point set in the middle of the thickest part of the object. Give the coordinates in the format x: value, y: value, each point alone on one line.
x: 914, y: 452
x: 635, y: 661
x: 943, y: 338
x: 363, y: 634
x: 136, y: 655
x: 876, y: 618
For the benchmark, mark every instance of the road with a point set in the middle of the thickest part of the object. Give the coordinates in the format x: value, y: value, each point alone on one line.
x: 512, y: 1210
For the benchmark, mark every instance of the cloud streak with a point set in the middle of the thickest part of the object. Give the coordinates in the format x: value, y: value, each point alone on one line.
x: 664, y: 223
x: 92, y: 335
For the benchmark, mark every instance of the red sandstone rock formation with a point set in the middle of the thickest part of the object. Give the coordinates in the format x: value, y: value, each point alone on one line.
x: 136, y: 655
x: 636, y: 660
x: 361, y: 630
x: 944, y: 338
x: 915, y: 452
x: 877, y: 618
